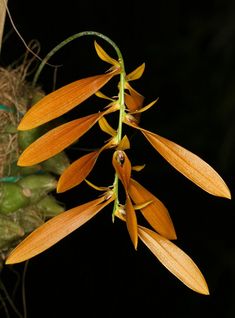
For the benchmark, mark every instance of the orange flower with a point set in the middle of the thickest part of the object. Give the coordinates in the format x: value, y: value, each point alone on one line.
x: 152, y: 209
x: 122, y: 167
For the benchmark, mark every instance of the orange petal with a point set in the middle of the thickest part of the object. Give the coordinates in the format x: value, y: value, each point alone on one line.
x: 135, y: 100
x: 190, y: 165
x: 62, y: 100
x: 55, y: 229
x: 130, y: 103
x: 155, y: 213
x: 131, y: 221
x: 175, y: 260
x: 57, y: 140
x: 77, y: 171
x: 122, y: 167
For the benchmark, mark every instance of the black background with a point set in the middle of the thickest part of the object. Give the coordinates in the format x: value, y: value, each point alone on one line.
x: 189, y: 50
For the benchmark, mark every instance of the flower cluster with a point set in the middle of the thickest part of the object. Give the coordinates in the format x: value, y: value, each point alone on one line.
x: 129, y: 104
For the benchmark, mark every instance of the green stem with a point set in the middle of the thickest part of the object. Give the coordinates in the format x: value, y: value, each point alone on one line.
x: 121, y: 100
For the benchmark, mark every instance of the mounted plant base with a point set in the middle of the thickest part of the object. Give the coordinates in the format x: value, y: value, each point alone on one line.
x: 23, y: 190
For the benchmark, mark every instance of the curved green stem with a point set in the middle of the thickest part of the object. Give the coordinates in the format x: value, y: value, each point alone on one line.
x: 66, y: 41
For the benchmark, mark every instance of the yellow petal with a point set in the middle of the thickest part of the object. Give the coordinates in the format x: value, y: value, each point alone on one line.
x: 122, y: 166
x: 131, y: 222
x: 62, y: 100
x: 57, y: 140
x: 155, y: 213
x: 101, y: 95
x: 120, y: 215
x: 124, y: 143
x: 77, y: 172
x: 175, y: 260
x: 92, y: 185
x: 190, y: 165
x: 143, y: 109
x: 104, y: 126
x: 138, y: 168
x: 55, y: 229
x: 136, y: 74
x: 104, y: 56
x: 142, y: 205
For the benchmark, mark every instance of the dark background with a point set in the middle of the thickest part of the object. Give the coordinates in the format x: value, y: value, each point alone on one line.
x: 189, y: 51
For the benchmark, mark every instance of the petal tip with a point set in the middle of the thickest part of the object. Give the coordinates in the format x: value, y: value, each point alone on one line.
x: 59, y: 188
x: 173, y: 236
x: 204, y: 291
x: 21, y: 162
x: 136, y: 245
x: 25, y: 125
x: 228, y: 195
x: 225, y: 193
x: 12, y: 260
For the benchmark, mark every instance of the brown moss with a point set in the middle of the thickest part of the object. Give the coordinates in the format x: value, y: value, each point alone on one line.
x: 16, y: 95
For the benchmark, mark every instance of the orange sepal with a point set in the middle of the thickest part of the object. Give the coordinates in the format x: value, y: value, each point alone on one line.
x: 189, y: 164
x: 122, y: 167
x: 77, y: 172
x: 131, y: 221
x: 55, y: 230
x: 175, y: 260
x: 57, y: 140
x: 135, y: 100
x: 64, y: 99
x: 155, y: 212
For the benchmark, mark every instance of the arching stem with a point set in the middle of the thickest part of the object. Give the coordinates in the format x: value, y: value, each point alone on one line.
x: 68, y: 40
